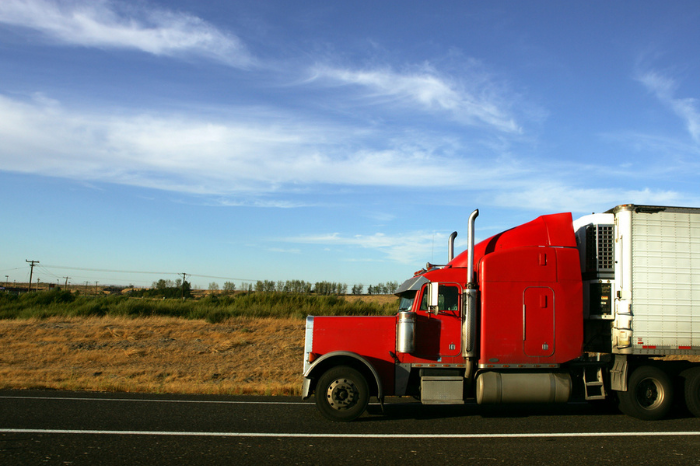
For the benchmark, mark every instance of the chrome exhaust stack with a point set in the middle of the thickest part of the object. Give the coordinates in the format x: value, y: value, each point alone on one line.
x: 470, y: 249
x: 451, y: 247
x: 469, y: 315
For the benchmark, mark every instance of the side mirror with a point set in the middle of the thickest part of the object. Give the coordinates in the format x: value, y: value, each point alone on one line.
x: 433, y: 295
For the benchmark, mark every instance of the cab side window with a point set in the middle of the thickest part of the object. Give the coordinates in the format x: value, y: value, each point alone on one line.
x: 448, y: 298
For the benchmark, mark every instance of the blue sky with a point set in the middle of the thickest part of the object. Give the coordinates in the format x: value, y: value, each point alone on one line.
x: 338, y: 141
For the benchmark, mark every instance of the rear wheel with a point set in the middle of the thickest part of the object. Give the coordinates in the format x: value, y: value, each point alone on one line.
x: 649, y: 394
x: 342, y: 394
x: 692, y: 391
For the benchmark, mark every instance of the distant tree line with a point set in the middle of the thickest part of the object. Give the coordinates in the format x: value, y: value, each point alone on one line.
x: 179, y: 288
x: 323, y: 288
x: 303, y: 287
x: 228, y: 286
x: 166, y: 289
x: 383, y: 288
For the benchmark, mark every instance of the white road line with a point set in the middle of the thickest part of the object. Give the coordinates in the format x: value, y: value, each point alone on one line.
x: 138, y: 400
x: 356, y: 436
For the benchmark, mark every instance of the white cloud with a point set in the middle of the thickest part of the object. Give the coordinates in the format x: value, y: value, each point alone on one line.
x: 258, y: 159
x: 473, y: 103
x: 285, y: 251
x: 246, y: 154
x: 406, y: 248
x: 559, y: 197
x: 664, y: 88
x: 107, y: 24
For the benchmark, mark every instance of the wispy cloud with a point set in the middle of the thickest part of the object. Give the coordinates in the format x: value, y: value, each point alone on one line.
x: 663, y: 154
x: 665, y: 88
x: 260, y: 158
x: 405, y: 248
x: 107, y: 24
x: 561, y: 197
x: 246, y: 154
x: 471, y: 103
x: 285, y: 251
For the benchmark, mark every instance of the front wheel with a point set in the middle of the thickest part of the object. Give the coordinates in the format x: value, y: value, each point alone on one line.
x: 649, y: 394
x: 342, y: 394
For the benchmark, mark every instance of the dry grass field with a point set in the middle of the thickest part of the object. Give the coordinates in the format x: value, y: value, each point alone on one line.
x: 214, y: 354
x: 156, y: 355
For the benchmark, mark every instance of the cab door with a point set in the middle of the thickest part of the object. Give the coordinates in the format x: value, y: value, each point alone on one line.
x: 439, y: 334
x: 538, y: 321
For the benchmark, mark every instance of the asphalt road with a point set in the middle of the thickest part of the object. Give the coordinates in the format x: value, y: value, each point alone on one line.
x: 67, y: 428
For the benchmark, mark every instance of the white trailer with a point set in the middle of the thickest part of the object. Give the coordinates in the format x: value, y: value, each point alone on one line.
x: 641, y: 278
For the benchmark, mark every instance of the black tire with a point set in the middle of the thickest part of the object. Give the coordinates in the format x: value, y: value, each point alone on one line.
x: 649, y: 394
x: 342, y: 394
x: 692, y: 390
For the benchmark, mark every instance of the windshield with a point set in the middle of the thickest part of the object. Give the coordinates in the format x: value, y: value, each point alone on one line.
x: 406, y: 300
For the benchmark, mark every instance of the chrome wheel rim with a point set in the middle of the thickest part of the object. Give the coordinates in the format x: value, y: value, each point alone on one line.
x: 649, y: 393
x: 342, y: 394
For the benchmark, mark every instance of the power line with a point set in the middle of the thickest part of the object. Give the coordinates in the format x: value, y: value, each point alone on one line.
x: 85, y: 269
x: 110, y: 270
x: 224, y: 278
x: 16, y: 268
x: 45, y: 270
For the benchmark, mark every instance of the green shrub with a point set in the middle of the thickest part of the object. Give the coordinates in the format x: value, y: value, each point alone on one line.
x: 212, y: 308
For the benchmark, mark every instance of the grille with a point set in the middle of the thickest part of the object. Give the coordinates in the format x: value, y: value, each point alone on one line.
x: 600, y: 248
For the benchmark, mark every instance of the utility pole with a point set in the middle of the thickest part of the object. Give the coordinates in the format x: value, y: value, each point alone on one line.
x: 31, y: 272
x: 182, y: 290
x: 7, y: 280
x: 66, y: 285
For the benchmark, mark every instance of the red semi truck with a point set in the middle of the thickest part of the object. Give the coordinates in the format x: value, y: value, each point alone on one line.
x: 550, y: 311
